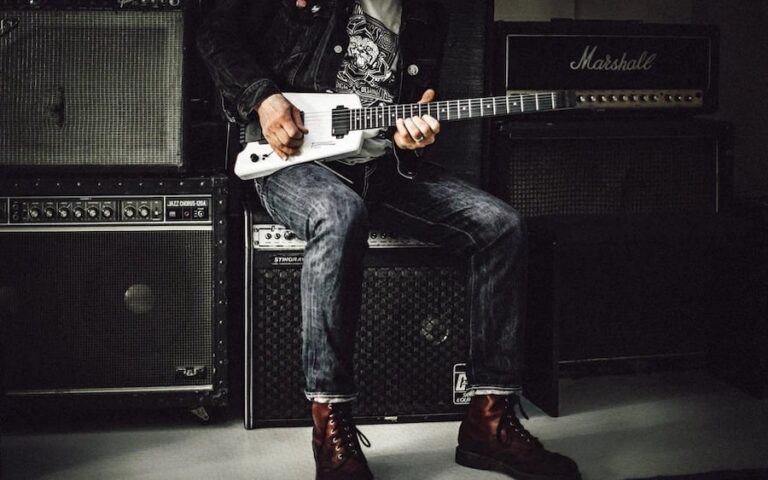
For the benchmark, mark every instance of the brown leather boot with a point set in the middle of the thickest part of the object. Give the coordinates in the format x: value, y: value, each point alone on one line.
x: 492, y: 438
x: 338, y: 455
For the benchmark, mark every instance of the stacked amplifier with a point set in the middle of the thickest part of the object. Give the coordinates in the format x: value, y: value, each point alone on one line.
x: 622, y: 193
x: 112, y: 290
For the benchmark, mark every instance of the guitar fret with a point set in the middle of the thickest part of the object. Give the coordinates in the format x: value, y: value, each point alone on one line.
x: 382, y: 116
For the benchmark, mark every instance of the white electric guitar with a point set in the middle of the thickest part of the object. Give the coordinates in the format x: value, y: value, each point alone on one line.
x: 338, y: 124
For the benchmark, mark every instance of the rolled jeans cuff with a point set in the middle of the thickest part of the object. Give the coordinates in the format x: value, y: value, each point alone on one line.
x: 321, y: 397
x: 493, y: 390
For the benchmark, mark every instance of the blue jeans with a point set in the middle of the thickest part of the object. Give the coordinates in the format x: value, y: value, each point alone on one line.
x: 333, y: 216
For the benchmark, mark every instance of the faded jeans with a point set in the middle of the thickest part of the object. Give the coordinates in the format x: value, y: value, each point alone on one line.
x: 333, y: 216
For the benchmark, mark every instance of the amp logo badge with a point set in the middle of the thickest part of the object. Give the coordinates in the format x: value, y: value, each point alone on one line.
x: 460, y: 384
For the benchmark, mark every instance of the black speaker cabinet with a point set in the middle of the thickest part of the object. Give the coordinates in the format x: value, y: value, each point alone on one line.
x: 740, y: 355
x: 112, y: 291
x: 92, y: 84
x: 633, y: 293
x: 412, y: 336
x: 617, y: 167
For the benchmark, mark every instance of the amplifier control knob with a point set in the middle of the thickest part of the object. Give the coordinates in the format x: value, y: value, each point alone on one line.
x: 290, y: 235
x: 49, y: 212
x: 34, y: 212
x: 64, y: 212
x: 129, y: 212
x: 93, y: 212
x: 655, y: 98
x: 107, y: 212
x: 144, y: 212
x: 78, y: 212
x: 592, y: 98
x: 582, y: 99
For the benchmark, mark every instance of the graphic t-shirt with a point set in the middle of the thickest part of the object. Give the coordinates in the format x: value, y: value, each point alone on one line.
x: 370, y: 64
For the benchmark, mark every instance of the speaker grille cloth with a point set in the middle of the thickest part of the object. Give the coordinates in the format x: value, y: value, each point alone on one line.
x: 91, y: 88
x: 661, y: 308
x: 412, y: 331
x: 105, y: 309
x: 610, y: 175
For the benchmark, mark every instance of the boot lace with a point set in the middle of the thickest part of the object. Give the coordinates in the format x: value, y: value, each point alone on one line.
x: 345, y: 435
x: 509, y: 421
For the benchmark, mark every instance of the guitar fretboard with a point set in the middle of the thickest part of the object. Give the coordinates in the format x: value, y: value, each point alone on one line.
x: 451, y: 110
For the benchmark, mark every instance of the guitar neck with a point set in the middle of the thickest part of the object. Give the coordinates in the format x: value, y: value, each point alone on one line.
x: 453, y: 110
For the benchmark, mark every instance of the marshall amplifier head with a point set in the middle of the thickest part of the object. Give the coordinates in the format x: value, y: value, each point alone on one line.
x: 92, y: 84
x: 612, y: 66
x: 113, y: 290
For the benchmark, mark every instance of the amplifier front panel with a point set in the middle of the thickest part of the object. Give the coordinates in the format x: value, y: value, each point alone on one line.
x: 123, y: 302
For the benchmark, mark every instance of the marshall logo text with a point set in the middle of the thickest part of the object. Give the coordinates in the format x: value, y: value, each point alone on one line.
x: 8, y: 24
x: 589, y: 61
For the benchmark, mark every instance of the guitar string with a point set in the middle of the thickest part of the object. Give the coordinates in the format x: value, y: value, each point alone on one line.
x: 357, y: 116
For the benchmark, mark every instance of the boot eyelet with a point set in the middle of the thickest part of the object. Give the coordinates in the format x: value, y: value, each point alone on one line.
x: 337, y: 448
x: 334, y: 431
x: 340, y: 456
x: 335, y: 439
x: 331, y: 422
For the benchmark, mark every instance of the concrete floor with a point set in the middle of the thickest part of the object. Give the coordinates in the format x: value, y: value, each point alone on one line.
x: 615, y: 427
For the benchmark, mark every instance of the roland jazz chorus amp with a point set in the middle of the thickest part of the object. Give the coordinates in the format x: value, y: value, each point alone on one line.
x: 113, y: 291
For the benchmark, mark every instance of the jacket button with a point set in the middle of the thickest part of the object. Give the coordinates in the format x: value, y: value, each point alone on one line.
x: 413, y: 70
x: 338, y: 49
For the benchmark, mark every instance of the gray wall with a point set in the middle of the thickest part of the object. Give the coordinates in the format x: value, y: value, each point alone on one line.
x: 743, y: 28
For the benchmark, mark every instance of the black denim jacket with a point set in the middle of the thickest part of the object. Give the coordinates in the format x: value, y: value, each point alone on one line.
x: 255, y: 48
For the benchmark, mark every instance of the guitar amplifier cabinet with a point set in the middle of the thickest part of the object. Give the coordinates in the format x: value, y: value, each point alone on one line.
x: 611, y: 293
x: 112, y: 292
x: 97, y: 85
x: 412, y: 335
x: 621, y: 167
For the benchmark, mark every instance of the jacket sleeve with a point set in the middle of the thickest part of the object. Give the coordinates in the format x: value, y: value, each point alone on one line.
x: 237, y: 70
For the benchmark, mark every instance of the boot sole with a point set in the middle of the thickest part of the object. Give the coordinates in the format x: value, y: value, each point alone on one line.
x: 481, y: 462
